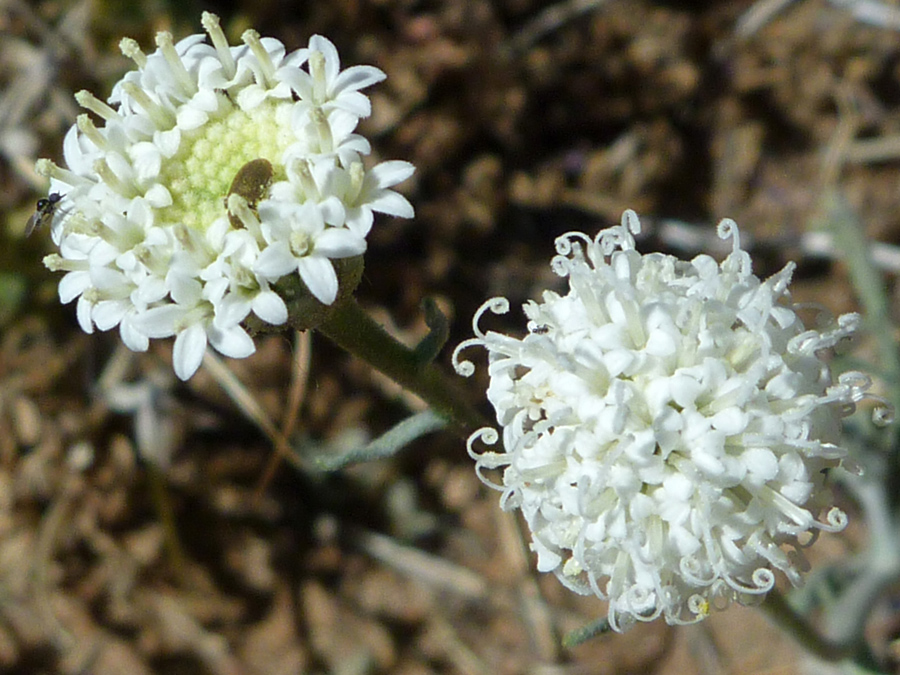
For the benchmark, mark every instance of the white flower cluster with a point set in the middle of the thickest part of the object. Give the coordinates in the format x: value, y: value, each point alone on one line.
x: 666, y: 426
x: 217, y: 171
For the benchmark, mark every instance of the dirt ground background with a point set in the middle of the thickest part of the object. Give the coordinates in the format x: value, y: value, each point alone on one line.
x: 525, y: 119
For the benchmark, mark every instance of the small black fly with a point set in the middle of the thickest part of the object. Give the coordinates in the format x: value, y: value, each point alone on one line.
x: 43, y: 212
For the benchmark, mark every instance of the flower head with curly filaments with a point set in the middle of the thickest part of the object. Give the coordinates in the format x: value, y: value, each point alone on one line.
x: 666, y: 426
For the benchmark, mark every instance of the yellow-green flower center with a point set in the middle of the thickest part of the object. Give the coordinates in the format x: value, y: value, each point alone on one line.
x: 200, y: 174
x: 301, y: 244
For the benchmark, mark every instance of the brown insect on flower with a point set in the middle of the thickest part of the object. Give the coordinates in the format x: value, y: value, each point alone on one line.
x: 250, y: 182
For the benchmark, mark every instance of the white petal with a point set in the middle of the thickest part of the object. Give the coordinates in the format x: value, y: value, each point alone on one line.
x: 72, y: 285
x: 189, y: 43
x: 274, y: 48
x: 358, y: 77
x: 298, y: 80
x: 159, y: 322
x: 147, y: 160
x: 275, y: 262
x: 190, y: 118
x: 168, y: 141
x: 355, y: 103
x: 120, y: 166
x: 295, y: 59
x: 269, y: 307
x: 231, y: 311
x: 359, y: 221
x: 387, y: 174
x: 158, y: 196
x: 206, y: 100
x: 351, y: 148
x: 391, y: 203
x: 320, y: 278
x: 760, y: 462
x: 251, y: 97
x: 215, y: 289
x: 84, y: 311
x: 233, y: 342
x: 322, y: 44
x: 150, y: 290
x: 187, y: 355
x: 333, y: 211
x: 185, y: 290
x: 338, y: 242
x: 133, y: 338
x: 342, y: 123
x: 109, y: 313
x: 78, y: 152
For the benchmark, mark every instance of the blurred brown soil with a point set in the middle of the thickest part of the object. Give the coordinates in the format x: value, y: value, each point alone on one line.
x: 524, y: 122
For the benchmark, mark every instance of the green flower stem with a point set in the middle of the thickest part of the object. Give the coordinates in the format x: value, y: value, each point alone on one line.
x: 348, y: 326
x: 798, y: 627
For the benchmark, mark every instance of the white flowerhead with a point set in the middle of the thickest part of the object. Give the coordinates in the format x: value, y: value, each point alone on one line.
x: 667, y: 426
x: 214, y: 173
